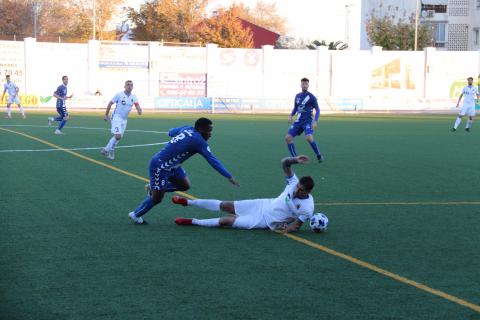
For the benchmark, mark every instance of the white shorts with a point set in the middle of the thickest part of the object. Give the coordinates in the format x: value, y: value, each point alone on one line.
x: 118, y: 126
x: 470, y: 110
x: 12, y: 99
x: 250, y: 214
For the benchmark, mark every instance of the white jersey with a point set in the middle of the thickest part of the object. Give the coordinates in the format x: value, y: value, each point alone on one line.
x: 124, y: 104
x: 286, y: 209
x: 11, y: 88
x: 469, y: 95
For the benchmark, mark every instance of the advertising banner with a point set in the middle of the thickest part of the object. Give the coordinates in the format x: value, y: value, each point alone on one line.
x: 174, y: 84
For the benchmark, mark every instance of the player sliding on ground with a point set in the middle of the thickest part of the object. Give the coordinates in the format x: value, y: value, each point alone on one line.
x: 166, y: 173
x: 287, y: 212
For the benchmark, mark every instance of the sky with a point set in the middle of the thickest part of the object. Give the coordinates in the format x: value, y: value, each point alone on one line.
x: 308, y: 19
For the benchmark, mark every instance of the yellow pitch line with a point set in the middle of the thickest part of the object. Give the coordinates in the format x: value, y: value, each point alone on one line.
x: 76, y: 154
x: 291, y: 236
x: 385, y: 272
x: 426, y: 203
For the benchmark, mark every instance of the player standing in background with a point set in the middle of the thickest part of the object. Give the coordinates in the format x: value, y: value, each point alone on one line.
x: 468, y: 106
x: 12, y: 89
x: 304, y: 104
x: 287, y: 212
x: 123, y: 104
x: 166, y: 173
x: 61, y: 95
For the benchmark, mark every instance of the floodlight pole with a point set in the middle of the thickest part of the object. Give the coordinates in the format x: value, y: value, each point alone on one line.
x: 94, y: 20
x: 416, y: 25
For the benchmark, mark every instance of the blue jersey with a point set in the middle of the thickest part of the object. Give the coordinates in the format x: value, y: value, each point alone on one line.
x: 185, y: 142
x: 304, y: 104
x: 61, y: 92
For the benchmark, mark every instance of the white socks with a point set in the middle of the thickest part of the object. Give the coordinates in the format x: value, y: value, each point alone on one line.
x: 212, y: 205
x: 209, y: 223
x: 111, y: 144
x: 469, y: 123
x: 21, y: 111
x: 9, y: 111
x: 457, y: 122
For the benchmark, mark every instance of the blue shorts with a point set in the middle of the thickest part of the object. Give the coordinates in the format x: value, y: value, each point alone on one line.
x: 297, y: 128
x: 160, y: 178
x: 62, y: 111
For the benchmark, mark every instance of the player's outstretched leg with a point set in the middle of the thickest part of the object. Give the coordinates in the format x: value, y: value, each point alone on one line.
x: 208, y: 223
x: 290, y: 145
x: 457, y: 123
x: 212, y: 205
x: 315, y: 148
x: 469, y: 124
x: 9, y: 112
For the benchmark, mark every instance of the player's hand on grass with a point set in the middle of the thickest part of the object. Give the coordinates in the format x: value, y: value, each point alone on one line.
x: 290, y: 119
x: 314, y: 125
x: 105, y: 118
x: 302, y: 159
x: 234, y: 182
x: 139, y: 111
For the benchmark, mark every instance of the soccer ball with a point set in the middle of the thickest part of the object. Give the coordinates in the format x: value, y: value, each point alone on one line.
x: 319, y: 222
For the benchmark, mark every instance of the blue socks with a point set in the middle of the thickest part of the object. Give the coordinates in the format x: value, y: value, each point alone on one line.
x: 314, y: 146
x: 144, y: 207
x: 291, y: 148
x: 62, y: 124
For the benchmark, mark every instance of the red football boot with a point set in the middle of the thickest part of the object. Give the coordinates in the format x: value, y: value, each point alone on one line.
x: 180, y: 200
x: 183, y: 221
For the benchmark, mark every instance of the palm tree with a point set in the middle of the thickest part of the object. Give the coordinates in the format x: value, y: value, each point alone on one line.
x: 337, y: 45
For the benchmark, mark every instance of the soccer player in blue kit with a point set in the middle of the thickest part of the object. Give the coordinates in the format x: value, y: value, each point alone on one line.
x: 61, y: 95
x: 305, y: 102
x: 166, y: 173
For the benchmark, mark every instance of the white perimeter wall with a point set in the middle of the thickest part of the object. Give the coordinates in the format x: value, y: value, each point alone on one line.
x: 342, y: 80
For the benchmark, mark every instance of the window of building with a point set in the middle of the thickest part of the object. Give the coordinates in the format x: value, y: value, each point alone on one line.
x: 476, y: 38
x: 438, y: 8
x: 478, y: 4
x: 440, y: 34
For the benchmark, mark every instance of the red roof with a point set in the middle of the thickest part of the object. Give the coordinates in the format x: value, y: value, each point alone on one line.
x: 260, y: 35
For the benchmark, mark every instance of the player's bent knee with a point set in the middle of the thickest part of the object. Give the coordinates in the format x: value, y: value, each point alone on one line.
x: 227, y: 206
x: 226, y: 221
x: 118, y: 137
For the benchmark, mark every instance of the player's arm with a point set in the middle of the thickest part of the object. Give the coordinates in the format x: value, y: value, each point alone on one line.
x: 317, y: 113
x: 56, y: 95
x: 289, y: 161
x: 459, y: 98
x: 4, y: 90
x: 109, y: 106
x: 137, y: 106
x: 216, y: 164
x: 292, y: 227
x: 294, y: 111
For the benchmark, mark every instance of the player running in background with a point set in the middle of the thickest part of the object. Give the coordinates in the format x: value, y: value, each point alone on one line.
x: 304, y: 104
x: 287, y: 212
x: 61, y: 95
x: 124, y: 101
x: 166, y: 173
x: 12, y: 89
x: 468, y: 106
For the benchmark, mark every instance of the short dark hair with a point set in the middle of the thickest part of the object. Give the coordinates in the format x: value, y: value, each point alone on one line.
x: 307, y: 182
x: 305, y: 80
x: 64, y: 77
x: 203, y: 123
x: 128, y: 81
x: 7, y: 76
x: 470, y: 78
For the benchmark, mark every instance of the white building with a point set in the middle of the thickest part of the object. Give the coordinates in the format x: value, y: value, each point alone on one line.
x: 455, y: 23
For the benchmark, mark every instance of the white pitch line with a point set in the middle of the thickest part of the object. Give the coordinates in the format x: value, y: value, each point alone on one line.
x: 84, y: 128
x: 80, y: 149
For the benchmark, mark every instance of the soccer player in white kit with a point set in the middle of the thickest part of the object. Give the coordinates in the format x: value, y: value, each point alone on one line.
x: 287, y: 212
x: 124, y: 101
x: 12, y: 89
x: 468, y: 107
